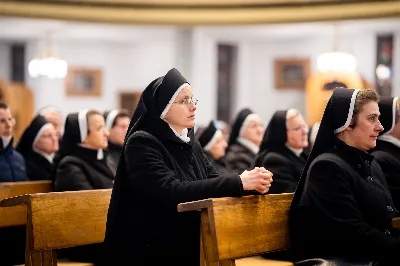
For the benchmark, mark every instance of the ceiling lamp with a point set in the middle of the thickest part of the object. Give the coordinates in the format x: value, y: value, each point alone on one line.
x: 48, y: 66
x: 336, y: 61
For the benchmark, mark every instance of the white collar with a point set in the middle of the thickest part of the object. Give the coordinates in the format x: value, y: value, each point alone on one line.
x: 49, y: 157
x: 6, y: 141
x: 248, y: 144
x: 100, y: 153
x: 184, y: 136
x: 391, y: 139
x: 295, y: 151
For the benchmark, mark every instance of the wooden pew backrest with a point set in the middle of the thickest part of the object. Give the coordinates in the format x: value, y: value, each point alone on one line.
x: 64, y: 219
x: 15, y: 216
x: 240, y: 227
x: 68, y: 219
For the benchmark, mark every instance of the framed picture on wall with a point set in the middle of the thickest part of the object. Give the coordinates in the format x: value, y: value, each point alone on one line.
x: 128, y: 100
x: 291, y: 73
x: 83, y: 81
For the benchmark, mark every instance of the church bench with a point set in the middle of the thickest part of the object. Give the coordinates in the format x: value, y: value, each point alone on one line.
x: 235, y: 230
x: 16, y: 216
x: 59, y: 220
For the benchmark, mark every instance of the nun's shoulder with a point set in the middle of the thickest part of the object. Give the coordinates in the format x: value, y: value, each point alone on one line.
x: 328, y: 162
x: 236, y: 147
x: 142, y: 140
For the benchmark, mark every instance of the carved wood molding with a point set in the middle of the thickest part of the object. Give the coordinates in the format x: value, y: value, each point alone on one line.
x: 217, y: 12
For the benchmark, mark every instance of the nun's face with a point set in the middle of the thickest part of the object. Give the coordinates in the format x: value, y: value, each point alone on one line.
x: 6, y: 123
x: 97, y: 137
x: 181, y: 115
x: 218, y: 149
x: 118, y: 131
x: 363, y: 136
x: 56, y: 120
x: 48, y: 141
x: 297, y: 132
x: 254, y: 130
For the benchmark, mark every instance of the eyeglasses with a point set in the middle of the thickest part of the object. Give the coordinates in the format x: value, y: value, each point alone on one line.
x: 188, y: 101
x: 5, y: 121
x: 50, y: 136
x: 300, y: 127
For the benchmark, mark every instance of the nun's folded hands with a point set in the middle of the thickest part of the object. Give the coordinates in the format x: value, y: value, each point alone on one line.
x: 258, y: 179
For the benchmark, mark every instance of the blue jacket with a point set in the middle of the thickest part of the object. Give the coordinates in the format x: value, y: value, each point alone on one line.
x: 12, y: 165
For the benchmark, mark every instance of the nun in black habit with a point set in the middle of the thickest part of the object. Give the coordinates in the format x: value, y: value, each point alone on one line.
x: 244, y: 141
x: 81, y: 163
x: 282, y: 157
x: 342, y: 208
x: 162, y: 165
x: 214, y: 145
x: 387, y: 150
x: 117, y: 123
x: 38, y: 145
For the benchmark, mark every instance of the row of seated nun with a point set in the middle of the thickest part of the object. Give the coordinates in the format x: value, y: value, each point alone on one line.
x: 281, y: 150
x: 39, y: 144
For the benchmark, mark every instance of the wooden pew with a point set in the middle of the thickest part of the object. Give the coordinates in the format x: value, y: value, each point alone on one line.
x: 16, y: 216
x: 60, y: 220
x: 234, y: 228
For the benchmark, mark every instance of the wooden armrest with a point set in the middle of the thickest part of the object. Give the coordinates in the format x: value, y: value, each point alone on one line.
x: 195, y: 205
x: 14, y: 201
x: 396, y: 222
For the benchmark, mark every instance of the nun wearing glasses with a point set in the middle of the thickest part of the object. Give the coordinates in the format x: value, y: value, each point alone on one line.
x: 38, y: 144
x: 162, y: 165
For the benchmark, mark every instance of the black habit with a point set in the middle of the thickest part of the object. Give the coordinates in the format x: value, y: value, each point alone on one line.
x: 275, y: 156
x: 114, y: 150
x: 387, y: 153
x: 157, y: 171
x: 342, y: 207
x: 238, y: 157
x: 38, y: 167
x: 80, y: 168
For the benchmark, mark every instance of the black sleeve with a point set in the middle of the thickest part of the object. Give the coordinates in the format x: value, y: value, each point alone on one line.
x: 332, y: 197
x: 71, y: 177
x: 284, y: 179
x: 152, y: 176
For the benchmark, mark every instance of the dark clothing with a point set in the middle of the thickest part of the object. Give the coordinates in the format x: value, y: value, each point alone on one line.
x: 12, y: 245
x: 285, y: 166
x: 345, y: 209
x: 220, y: 165
x: 159, y: 170
x: 113, y: 156
x: 145, y: 223
x: 12, y: 165
x: 239, y: 158
x: 38, y: 167
x: 82, y: 170
x: 388, y: 157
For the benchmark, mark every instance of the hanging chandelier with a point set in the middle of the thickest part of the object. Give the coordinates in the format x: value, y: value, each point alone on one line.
x: 336, y: 61
x: 48, y: 65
